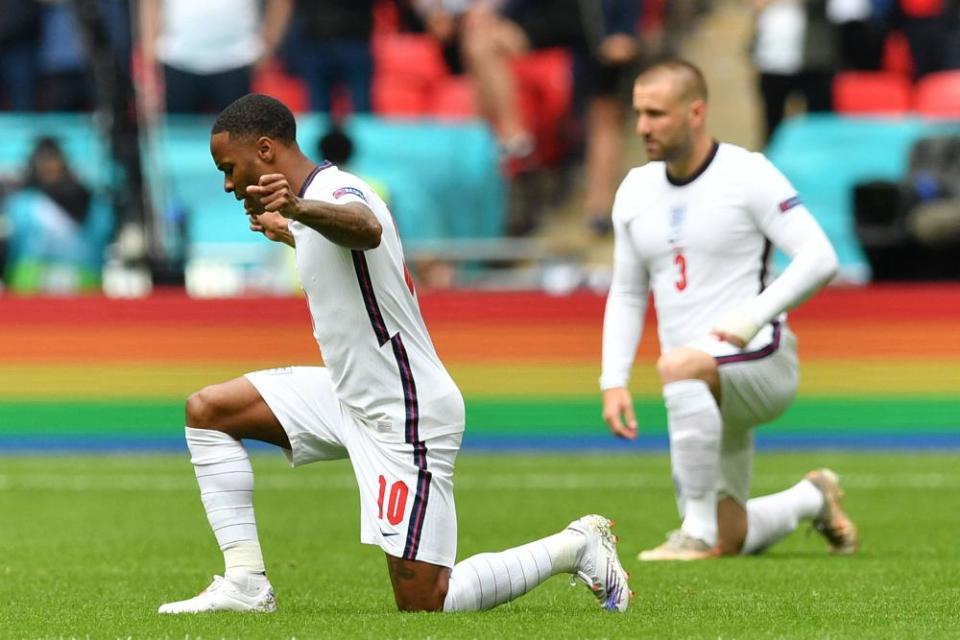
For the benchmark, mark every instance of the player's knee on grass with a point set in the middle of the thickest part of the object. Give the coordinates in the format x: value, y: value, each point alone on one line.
x: 731, y: 526
x: 418, y: 586
x: 411, y: 603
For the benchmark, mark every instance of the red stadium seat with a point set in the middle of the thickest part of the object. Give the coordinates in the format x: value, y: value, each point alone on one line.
x: 549, y: 74
x: 410, y: 55
x: 396, y: 97
x: 870, y: 92
x: 938, y: 95
x: 896, y: 55
x: 922, y: 8
x: 545, y: 93
x: 386, y: 17
x: 407, y: 71
x: 272, y: 80
x: 455, y: 99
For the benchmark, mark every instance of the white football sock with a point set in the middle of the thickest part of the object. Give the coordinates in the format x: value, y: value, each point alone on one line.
x: 771, y: 518
x: 487, y: 579
x: 696, y: 429
x: 241, y: 559
x: 225, y: 477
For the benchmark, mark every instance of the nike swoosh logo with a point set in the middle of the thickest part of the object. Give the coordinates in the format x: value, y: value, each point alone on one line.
x: 387, y: 535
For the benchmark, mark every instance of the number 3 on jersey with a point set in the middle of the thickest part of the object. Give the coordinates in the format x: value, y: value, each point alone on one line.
x: 681, y: 261
x: 396, y: 503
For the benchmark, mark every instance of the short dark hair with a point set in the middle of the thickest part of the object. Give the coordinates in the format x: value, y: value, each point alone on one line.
x: 693, y: 84
x: 256, y: 115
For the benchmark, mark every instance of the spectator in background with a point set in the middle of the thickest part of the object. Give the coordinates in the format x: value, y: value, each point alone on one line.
x: 330, y: 48
x: 443, y: 19
x: 795, y: 52
x: 932, y: 29
x: 860, y: 35
x: 667, y: 24
x: 609, y: 76
x: 66, y: 79
x: 55, y: 220
x: 204, y: 53
x: 491, y: 38
x: 49, y: 173
x: 19, y: 33
x: 602, y: 38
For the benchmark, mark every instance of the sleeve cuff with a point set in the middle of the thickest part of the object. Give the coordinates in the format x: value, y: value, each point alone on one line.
x: 611, y: 382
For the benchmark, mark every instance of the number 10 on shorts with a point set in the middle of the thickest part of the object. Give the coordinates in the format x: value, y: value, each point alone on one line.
x: 396, y: 502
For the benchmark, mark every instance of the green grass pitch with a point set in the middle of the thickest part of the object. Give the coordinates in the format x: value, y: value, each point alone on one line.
x: 91, y: 545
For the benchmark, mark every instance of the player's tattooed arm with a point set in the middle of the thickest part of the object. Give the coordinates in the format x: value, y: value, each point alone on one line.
x: 352, y: 225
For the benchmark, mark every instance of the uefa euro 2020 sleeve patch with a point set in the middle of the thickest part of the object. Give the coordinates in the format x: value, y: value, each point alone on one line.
x: 353, y: 191
x: 789, y: 203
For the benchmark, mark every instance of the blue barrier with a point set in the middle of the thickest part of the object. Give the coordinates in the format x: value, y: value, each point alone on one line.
x: 443, y: 179
x: 825, y: 155
x: 78, y: 136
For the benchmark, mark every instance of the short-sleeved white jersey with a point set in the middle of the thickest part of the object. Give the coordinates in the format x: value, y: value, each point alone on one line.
x: 367, y: 321
x: 703, y: 247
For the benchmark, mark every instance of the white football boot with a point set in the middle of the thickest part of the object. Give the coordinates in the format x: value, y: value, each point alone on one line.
x: 225, y: 595
x: 598, y: 565
x: 680, y: 545
x: 832, y: 522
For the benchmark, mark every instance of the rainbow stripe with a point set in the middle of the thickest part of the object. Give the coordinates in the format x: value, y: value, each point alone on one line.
x: 880, y: 366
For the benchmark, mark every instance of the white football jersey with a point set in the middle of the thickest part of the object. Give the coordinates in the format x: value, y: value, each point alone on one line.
x: 367, y: 321
x: 703, y: 247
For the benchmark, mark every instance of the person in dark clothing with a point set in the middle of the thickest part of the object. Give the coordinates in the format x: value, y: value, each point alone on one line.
x: 795, y: 51
x: 58, y: 227
x: 932, y: 30
x: 610, y: 71
x: 19, y: 34
x: 330, y: 48
x: 492, y: 38
x: 49, y: 173
x: 199, y: 56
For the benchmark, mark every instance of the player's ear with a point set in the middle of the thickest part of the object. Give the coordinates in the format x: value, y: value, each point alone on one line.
x: 698, y: 111
x: 265, y: 149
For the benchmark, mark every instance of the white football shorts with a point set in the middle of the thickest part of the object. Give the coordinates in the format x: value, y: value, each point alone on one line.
x: 757, y: 384
x: 406, y: 489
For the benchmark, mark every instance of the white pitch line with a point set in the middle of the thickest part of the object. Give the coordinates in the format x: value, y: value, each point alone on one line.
x: 464, y: 482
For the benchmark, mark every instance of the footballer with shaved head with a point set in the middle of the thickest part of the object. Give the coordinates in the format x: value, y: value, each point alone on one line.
x: 695, y: 227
